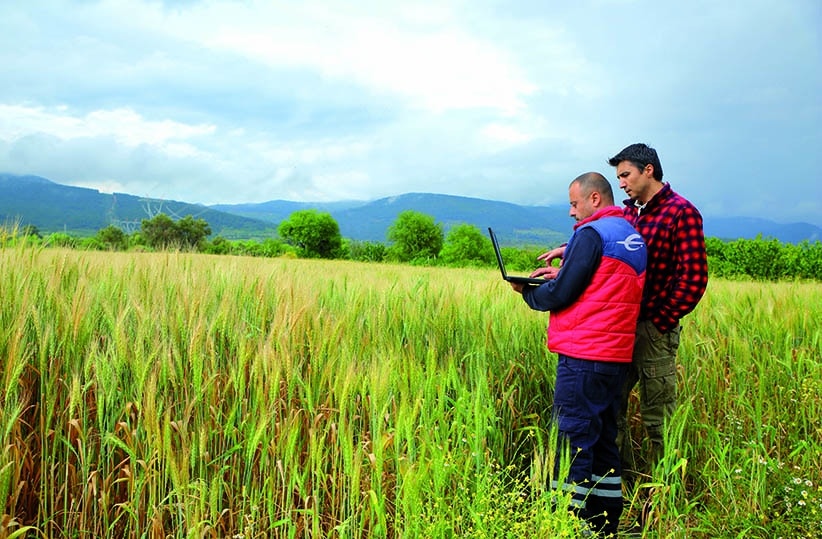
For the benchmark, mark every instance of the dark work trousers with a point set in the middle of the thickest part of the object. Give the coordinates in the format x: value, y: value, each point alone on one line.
x: 586, y: 406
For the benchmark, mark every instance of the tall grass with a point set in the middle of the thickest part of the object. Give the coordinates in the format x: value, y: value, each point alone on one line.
x: 750, y: 427
x: 184, y: 395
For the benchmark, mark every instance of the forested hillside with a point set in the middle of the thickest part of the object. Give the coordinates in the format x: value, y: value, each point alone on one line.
x: 53, y: 207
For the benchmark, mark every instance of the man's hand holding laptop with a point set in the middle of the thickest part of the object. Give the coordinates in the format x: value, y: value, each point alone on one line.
x: 548, y: 272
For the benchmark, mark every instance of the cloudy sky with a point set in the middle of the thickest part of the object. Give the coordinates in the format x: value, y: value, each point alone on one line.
x: 229, y: 101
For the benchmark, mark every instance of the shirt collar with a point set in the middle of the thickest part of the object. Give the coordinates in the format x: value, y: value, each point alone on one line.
x: 660, y: 195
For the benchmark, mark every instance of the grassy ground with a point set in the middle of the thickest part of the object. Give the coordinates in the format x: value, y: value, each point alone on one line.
x: 182, y: 395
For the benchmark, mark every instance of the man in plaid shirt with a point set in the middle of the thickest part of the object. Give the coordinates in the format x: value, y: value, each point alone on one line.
x: 676, y: 278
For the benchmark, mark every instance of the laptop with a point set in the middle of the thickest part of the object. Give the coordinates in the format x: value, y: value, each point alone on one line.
x: 510, y: 278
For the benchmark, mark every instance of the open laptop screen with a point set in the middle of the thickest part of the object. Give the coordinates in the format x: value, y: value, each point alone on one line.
x: 510, y: 278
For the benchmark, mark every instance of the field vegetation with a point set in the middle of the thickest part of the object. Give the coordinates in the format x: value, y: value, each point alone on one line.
x: 191, y: 395
x: 413, y: 238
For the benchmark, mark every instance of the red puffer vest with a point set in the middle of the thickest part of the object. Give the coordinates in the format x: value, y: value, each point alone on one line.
x: 601, y: 324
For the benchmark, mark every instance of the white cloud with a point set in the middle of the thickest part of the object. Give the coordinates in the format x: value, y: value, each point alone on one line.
x: 118, y: 150
x: 227, y: 101
x: 505, y: 135
x: 124, y: 125
x: 438, y: 67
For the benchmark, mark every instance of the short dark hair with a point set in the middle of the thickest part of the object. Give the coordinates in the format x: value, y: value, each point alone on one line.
x: 640, y: 155
x: 594, y: 181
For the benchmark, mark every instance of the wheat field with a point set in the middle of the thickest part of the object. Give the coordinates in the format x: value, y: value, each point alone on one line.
x: 190, y: 395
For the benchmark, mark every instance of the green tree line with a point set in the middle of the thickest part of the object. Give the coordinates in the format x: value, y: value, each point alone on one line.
x: 413, y: 238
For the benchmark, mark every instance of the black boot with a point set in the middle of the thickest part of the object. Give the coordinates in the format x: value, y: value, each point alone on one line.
x: 603, y: 515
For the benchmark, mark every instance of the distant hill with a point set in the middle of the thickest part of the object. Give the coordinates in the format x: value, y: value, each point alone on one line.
x: 369, y: 221
x: 54, y: 207
x: 514, y: 224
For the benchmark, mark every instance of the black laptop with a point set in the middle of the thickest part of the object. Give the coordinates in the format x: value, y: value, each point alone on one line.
x: 510, y: 278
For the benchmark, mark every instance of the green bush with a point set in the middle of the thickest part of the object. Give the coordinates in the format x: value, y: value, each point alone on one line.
x: 465, y: 245
x: 313, y: 233
x: 366, y: 251
x: 764, y: 259
x: 60, y: 239
x: 415, y: 238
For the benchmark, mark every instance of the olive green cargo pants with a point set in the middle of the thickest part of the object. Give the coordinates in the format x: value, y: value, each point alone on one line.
x: 654, y: 372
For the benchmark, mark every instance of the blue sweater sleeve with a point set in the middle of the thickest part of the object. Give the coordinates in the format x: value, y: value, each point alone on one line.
x: 580, y: 262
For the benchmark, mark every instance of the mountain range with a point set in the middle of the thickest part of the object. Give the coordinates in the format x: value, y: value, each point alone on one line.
x: 54, y: 207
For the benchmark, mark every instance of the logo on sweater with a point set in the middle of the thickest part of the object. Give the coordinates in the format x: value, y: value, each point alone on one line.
x: 632, y: 242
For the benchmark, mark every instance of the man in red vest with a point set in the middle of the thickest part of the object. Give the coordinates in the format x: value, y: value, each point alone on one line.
x: 594, y: 301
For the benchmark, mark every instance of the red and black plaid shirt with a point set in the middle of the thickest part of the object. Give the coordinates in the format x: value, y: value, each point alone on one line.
x: 677, y: 272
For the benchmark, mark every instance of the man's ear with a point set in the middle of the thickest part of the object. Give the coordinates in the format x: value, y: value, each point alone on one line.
x: 596, y: 198
x: 649, y: 170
